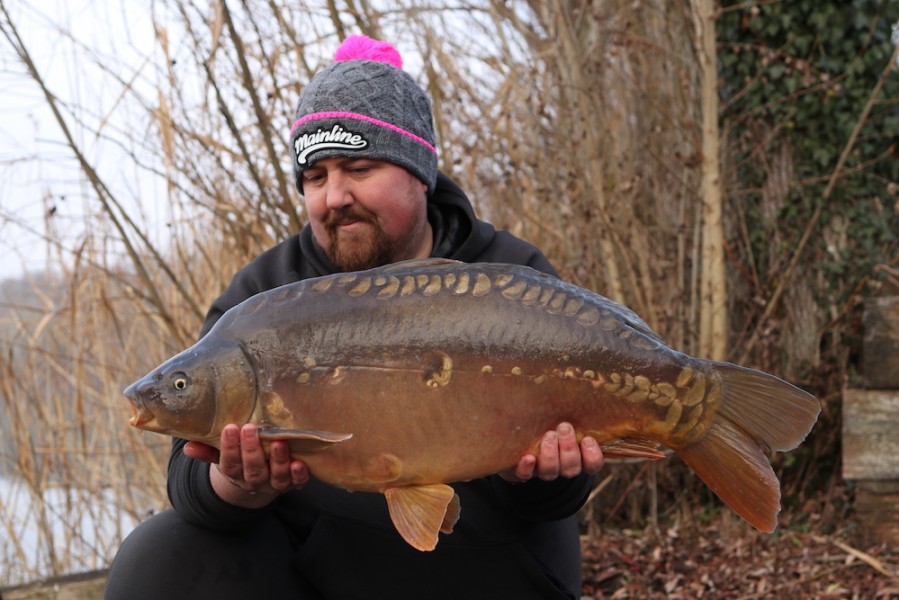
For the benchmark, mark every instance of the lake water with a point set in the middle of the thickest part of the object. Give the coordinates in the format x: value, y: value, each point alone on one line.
x: 75, y: 529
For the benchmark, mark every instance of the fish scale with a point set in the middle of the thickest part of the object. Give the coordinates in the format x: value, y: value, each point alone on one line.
x: 483, y: 359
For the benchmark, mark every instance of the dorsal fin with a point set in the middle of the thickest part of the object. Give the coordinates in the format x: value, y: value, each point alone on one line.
x: 419, y: 262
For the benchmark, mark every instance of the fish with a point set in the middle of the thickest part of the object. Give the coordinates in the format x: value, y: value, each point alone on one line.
x: 404, y: 378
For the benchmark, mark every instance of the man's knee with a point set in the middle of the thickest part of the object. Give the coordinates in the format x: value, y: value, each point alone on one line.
x: 166, y: 557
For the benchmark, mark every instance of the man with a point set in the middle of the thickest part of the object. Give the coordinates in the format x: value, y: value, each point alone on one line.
x: 250, y: 525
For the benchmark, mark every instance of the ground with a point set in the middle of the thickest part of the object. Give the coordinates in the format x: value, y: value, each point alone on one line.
x: 728, y: 559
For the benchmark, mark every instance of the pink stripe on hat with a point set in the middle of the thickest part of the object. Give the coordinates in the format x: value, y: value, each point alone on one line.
x: 357, y: 116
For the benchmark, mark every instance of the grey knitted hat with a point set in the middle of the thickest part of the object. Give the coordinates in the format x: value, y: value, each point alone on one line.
x: 364, y: 105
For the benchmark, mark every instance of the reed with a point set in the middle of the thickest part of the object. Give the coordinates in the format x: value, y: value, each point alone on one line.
x: 74, y: 479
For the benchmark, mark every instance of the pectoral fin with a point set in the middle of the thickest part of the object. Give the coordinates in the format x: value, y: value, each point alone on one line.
x: 303, y: 440
x: 420, y: 512
x: 632, y: 448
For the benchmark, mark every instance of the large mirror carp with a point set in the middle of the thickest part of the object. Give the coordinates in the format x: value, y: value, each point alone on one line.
x: 404, y: 378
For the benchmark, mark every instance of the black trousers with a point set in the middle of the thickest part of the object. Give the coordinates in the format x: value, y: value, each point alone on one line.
x: 168, y: 558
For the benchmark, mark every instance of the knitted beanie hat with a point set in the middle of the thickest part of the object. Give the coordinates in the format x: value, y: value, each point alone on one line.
x: 365, y: 106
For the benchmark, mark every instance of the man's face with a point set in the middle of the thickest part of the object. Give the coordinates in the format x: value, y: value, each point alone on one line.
x: 366, y: 213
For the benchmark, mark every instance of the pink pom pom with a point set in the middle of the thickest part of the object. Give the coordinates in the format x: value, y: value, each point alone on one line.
x: 360, y: 47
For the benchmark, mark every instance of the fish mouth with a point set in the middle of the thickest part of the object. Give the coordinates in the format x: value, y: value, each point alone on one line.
x: 140, y: 416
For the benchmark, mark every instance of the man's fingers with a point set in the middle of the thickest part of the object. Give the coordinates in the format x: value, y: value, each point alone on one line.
x: 591, y: 455
x: 569, y: 451
x: 548, y: 461
x: 526, y: 467
x: 230, y: 461
x: 279, y: 464
x: 255, y: 463
x: 201, y: 451
x: 559, y: 455
x: 299, y: 473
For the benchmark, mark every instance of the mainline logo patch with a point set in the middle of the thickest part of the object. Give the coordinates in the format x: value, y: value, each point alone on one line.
x: 336, y: 137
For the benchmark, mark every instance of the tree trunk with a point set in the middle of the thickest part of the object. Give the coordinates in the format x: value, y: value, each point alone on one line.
x: 713, y: 291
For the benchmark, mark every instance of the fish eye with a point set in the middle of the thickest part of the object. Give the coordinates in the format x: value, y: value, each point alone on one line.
x: 179, y: 381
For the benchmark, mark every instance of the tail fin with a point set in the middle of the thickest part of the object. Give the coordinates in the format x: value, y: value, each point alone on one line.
x: 758, y: 412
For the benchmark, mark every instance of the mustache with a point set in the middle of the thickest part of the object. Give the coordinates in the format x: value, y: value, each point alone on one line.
x: 350, y: 213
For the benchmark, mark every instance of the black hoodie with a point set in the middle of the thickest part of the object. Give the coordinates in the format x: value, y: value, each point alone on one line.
x: 512, y: 541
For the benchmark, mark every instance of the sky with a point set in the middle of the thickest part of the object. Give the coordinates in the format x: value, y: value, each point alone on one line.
x: 41, y: 186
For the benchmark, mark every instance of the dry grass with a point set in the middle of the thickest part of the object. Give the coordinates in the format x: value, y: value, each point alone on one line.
x: 74, y: 475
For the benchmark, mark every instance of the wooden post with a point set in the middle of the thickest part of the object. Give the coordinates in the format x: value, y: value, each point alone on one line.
x: 880, y: 346
x: 871, y: 427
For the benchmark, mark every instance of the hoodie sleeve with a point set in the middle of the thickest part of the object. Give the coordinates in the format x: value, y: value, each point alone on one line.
x: 537, y: 500
x: 191, y: 494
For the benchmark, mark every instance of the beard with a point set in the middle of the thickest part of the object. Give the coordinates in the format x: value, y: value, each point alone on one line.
x: 357, y: 251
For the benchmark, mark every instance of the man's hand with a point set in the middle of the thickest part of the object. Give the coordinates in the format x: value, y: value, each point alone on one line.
x: 560, y: 455
x: 240, y: 472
